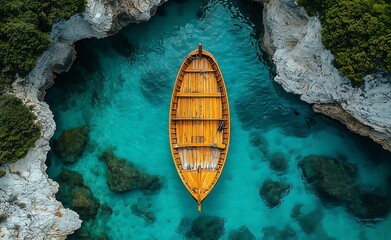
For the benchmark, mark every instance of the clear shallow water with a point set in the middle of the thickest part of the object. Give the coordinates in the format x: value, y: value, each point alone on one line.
x: 121, y: 88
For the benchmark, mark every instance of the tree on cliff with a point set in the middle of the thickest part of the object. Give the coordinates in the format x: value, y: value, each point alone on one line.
x: 24, y: 36
x: 24, y: 32
x: 18, y: 132
x: 357, y: 32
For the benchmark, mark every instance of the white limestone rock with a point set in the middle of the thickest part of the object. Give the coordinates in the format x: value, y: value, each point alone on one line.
x: 304, y: 67
x: 27, y: 195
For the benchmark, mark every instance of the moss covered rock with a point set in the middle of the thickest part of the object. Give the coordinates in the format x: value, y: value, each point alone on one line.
x: 84, y: 203
x: 276, y: 233
x: 74, y: 194
x: 273, y: 191
x: 70, y: 145
x: 259, y: 142
x: 143, y: 209
x: 124, y: 176
x: 309, y: 220
x: 207, y: 228
x: 278, y: 162
x: 242, y: 233
x: 370, y: 206
x: 331, y: 178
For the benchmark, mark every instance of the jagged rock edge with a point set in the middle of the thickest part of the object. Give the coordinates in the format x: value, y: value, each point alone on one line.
x: 27, y: 194
x: 303, y: 66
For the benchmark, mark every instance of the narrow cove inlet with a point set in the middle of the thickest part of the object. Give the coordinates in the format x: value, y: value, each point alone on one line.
x: 289, y: 174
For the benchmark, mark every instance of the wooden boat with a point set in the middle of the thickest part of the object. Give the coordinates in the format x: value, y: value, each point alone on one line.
x: 199, y: 124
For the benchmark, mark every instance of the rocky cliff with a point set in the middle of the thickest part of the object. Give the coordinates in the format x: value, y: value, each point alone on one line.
x: 28, y: 207
x: 303, y: 66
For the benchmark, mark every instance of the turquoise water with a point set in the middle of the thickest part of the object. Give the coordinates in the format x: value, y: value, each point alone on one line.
x: 121, y: 88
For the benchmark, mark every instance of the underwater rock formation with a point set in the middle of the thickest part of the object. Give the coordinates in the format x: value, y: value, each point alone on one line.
x: 336, y: 181
x: 124, y: 176
x: 206, y: 228
x: 242, y: 233
x: 274, y: 233
x: 273, y: 191
x: 330, y: 177
x: 143, y: 209
x: 70, y: 145
x: 76, y: 195
x: 304, y: 67
x: 278, y: 162
x: 308, y: 221
x: 370, y: 206
x: 259, y: 142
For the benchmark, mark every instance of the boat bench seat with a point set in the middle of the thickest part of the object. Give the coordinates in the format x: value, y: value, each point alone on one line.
x: 183, y: 145
x: 206, y: 95
x: 199, y: 70
x: 197, y: 119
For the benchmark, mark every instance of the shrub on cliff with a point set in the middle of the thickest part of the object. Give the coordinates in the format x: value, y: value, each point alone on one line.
x: 24, y: 32
x: 357, y: 32
x: 18, y: 132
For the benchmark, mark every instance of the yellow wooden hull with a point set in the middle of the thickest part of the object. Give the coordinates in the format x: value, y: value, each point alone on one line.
x: 199, y: 124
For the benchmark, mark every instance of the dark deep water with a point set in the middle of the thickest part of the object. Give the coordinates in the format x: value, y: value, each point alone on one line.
x: 120, y: 88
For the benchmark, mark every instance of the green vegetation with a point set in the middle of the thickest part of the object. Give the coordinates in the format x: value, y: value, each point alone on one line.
x: 24, y: 36
x: 18, y: 132
x: 357, y: 32
x: 24, y: 32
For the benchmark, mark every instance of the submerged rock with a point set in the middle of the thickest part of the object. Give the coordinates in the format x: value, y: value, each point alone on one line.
x: 123, y: 46
x: 124, y: 176
x: 143, y: 209
x: 76, y: 195
x: 308, y: 221
x: 259, y: 142
x: 154, y: 85
x: 207, y: 228
x: 336, y: 181
x: 273, y: 191
x: 242, y: 233
x: 331, y: 178
x: 278, y: 162
x: 274, y: 233
x: 70, y: 145
x: 84, y: 203
x: 184, y: 226
x: 370, y: 206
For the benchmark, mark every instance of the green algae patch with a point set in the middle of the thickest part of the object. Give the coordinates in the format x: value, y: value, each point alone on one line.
x: 273, y: 191
x: 18, y: 132
x: 75, y: 194
x: 206, y: 227
x: 278, y: 162
x: 125, y: 176
x: 330, y: 177
x: 143, y: 208
x: 243, y: 233
x: 84, y: 203
x: 336, y: 181
x: 70, y: 145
